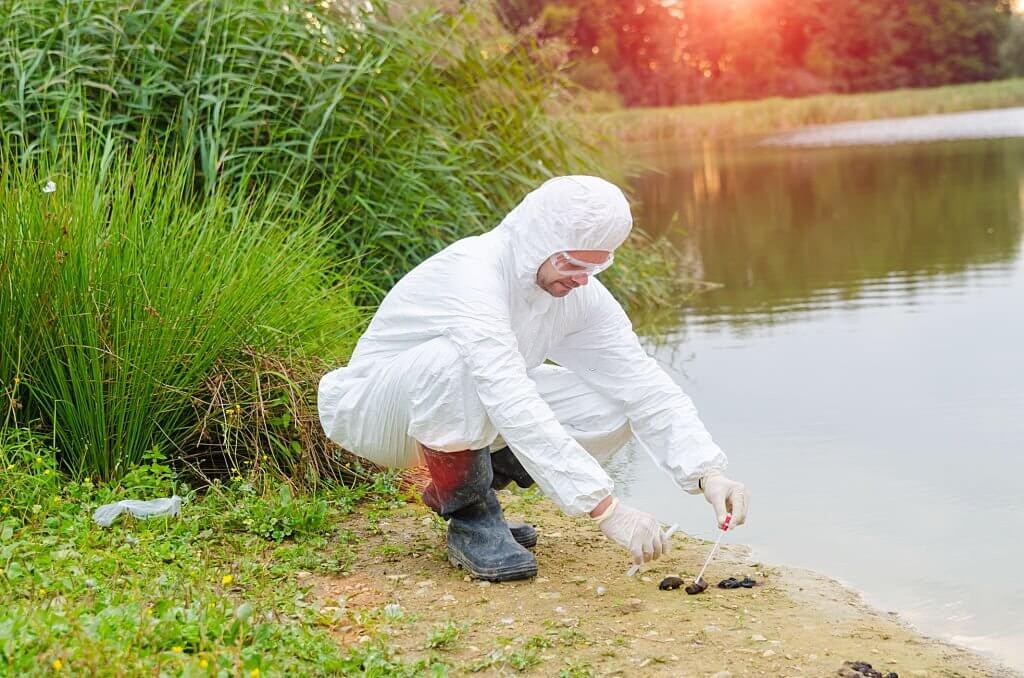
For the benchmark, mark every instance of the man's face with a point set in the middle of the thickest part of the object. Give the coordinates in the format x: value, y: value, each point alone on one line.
x: 559, y: 280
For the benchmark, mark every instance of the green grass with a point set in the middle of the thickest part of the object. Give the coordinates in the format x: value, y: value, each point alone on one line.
x: 205, y: 594
x: 235, y: 185
x: 753, y: 118
x: 138, y: 314
x: 418, y: 131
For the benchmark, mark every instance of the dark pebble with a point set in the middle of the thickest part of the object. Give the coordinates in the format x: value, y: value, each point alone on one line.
x: 866, y: 670
x: 697, y: 587
x: 670, y: 583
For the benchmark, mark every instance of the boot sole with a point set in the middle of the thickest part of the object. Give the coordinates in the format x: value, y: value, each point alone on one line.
x: 500, y: 574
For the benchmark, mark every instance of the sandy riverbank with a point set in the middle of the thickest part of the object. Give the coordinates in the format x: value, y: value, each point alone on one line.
x: 581, y: 616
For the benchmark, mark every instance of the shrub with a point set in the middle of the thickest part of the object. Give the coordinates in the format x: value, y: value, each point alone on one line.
x: 420, y: 131
x: 123, y: 294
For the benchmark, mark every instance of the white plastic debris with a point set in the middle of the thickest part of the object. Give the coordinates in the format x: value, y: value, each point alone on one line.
x: 50, y: 187
x: 165, y: 506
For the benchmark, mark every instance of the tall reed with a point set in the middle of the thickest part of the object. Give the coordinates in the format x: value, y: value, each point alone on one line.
x: 421, y: 130
x: 123, y: 294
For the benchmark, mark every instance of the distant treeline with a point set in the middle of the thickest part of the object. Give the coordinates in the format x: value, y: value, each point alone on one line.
x: 670, y: 52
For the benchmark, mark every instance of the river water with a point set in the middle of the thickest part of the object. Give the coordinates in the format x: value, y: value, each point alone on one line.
x: 862, y: 365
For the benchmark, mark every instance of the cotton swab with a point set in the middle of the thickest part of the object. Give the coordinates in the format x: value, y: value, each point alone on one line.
x: 724, y: 528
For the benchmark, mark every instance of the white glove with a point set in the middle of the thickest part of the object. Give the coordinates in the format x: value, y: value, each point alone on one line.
x: 726, y: 496
x: 639, y: 532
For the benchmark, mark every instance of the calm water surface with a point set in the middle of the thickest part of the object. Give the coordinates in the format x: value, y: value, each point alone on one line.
x: 862, y: 365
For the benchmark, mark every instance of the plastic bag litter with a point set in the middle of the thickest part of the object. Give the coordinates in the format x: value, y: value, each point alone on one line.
x: 166, y: 506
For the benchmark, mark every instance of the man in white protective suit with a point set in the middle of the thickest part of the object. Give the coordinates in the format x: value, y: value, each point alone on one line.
x: 453, y: 366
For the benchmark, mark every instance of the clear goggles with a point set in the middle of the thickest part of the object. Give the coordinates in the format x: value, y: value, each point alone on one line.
x: 566, y: 264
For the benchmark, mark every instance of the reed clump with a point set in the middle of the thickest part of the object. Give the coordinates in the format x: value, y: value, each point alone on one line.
x: 124, y: 292
x: 236, y: 184
x: 418, y: 130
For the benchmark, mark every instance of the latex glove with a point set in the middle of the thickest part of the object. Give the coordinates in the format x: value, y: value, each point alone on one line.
x: 726, y: 496
x: 639, y: 532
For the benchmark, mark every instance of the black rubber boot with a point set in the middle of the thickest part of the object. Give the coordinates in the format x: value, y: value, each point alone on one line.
x: 478, y: 538
x: 506, y: 470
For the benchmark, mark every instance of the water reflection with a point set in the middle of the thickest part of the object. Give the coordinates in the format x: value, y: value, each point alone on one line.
x: 861, y: 366
x: 791, y: 231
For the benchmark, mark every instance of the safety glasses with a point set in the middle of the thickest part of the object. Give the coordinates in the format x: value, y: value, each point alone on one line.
x: 566, y: 264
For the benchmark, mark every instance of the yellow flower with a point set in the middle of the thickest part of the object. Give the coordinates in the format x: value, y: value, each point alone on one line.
x: 226, y: 579
x: 41, y: 591
x: 57, y: 665
x: 46, y: 472
x: 255, y: 673
x: 39, y: 460
x: 203, y: 663
x: 177, y: 648
x: 56, y: 499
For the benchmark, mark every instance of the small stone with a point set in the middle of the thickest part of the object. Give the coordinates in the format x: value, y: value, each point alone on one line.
x: 757, y: 637
x: 425, y: 582
x: 768, y: 653
x: 670, y: 583
x: 601, y: 590
x: 560, y: 610
x: 483, y: 584
x: 426, y: 520
x: 467, y: 578
x: 645, y: 578
x: 508, y: 621
x: 711, y: 628
x: 722, y: 674
x: 696, y: 587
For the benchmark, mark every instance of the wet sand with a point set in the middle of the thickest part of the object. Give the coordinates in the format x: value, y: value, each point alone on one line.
x: 582, y: 614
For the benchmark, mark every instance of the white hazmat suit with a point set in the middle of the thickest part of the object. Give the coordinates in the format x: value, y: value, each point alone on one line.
x: 455, y: 358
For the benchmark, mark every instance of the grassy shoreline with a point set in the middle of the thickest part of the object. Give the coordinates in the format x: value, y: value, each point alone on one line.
x: 754, y: 118
x: 252, y: 581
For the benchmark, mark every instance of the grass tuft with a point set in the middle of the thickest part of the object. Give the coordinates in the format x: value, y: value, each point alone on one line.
x: 139, y: 315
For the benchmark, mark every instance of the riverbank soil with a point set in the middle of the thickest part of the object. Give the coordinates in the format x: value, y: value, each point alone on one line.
x: 582, y: 616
